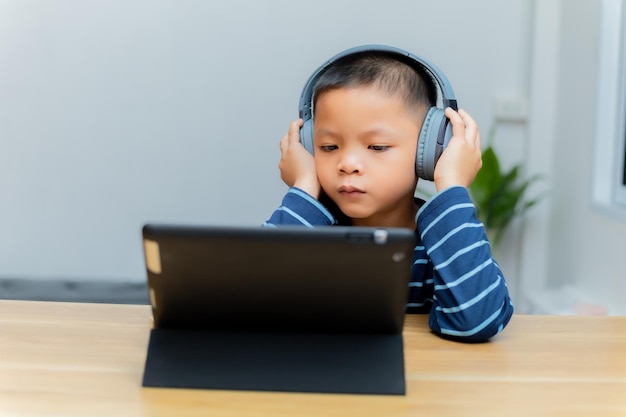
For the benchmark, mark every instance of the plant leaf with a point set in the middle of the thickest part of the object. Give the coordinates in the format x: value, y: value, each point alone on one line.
x: 485, y: 183
x: 499, y: 197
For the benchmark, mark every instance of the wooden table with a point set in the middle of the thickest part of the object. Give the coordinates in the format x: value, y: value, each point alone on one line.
x: 71, y: 359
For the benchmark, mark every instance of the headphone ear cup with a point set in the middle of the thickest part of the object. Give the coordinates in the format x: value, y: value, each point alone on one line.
x: 306, y: 136
x: 434, y: 137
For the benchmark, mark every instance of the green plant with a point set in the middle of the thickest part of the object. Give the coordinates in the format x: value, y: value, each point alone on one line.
x: 499, y: 196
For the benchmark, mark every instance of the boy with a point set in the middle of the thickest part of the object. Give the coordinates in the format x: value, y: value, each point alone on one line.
x: 369, y: 109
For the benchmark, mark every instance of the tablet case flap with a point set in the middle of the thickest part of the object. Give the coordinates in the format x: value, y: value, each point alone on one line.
x: 297, y: 362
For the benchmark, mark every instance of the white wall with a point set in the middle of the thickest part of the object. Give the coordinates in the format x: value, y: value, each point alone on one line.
x: 115, y: 113
x: 570, y: 249
x: 118, y: 112
x: 587, y: 245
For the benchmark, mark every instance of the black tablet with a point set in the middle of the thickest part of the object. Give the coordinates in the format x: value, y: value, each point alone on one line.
x: 277, y: 309
x: 328, y: 279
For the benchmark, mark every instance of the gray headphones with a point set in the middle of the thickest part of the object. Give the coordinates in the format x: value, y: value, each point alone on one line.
x: 436, y: 130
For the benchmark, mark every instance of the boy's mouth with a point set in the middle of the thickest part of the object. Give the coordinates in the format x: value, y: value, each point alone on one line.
x: 350, y: 190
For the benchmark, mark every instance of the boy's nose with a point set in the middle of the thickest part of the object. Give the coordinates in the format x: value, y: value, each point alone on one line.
x: 350, y: 164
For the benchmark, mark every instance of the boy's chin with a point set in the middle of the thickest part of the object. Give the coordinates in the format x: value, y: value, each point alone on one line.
x: 354, y: 214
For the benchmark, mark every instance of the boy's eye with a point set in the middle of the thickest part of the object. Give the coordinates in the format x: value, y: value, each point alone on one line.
x: 379, y: 147
x: 328, y: 148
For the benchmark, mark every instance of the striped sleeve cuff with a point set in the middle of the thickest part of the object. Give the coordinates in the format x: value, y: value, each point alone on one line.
x: 300, y: 208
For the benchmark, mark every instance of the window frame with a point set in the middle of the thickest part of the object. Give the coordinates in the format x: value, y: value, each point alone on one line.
x: 609, y: 166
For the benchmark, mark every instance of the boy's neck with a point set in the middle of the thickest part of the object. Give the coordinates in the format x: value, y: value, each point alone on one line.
x: 406, y: 220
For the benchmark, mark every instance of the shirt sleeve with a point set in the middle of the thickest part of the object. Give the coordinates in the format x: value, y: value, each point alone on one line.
x: 300, y: 208
x: 470, y: 297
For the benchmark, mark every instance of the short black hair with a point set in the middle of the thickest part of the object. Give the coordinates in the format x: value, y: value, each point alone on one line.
x: 393, y: 74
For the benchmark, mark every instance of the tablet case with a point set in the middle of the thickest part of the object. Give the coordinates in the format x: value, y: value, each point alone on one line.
x: 287, y: 309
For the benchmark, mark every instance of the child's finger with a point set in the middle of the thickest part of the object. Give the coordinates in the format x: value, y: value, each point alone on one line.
x: 458, y: 125
x: 294, y: 131
x: 471, y: 128
x: 292, y: 136
x: 284, y: 144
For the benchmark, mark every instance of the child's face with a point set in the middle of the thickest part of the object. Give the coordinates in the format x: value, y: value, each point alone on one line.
x: 365, y: 143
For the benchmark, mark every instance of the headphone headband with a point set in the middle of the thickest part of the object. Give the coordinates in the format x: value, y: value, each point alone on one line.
x: 447, y: 94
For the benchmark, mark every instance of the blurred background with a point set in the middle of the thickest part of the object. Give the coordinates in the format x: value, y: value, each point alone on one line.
x: 120, y: 112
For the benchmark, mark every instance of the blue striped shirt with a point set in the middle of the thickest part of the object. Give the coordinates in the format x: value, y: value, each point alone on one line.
x: 454, y: 277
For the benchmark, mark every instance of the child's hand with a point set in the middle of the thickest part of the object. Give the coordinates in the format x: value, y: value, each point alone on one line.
x: 462, y: 159
x: 297, y: 165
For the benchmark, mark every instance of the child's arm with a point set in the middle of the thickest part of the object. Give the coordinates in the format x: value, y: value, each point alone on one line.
x: 300, y: 208
x: 470, y: 297
x: 297, y: 169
